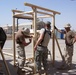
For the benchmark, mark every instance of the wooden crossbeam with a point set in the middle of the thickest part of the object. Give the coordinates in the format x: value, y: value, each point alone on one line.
x: 18, y: 11
x: 23, y: 17
x: 28, y: 12
x: 44, y: 13
x: 38, y: 7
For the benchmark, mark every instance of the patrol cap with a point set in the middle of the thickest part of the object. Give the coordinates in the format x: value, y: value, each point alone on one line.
x: 67, y: 26
x: 26, y: 31
x: 48, y: 23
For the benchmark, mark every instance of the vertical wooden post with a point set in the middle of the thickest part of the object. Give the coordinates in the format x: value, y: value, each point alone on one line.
x: 14, y: 39
x: 35, y: 36
x: 53, y: 39
x: 17, y: 24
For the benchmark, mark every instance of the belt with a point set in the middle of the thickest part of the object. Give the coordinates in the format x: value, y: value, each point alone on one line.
x: 42, y: 46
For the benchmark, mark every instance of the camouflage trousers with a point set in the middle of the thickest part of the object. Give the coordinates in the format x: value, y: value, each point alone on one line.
x: 21, y: 55
x: 41, y: 57
x: 68, y: 55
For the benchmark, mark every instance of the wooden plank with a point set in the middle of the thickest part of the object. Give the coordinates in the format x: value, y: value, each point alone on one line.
x: 53, y: 40
x: 31, y: 13
x: 23, y: 17
x: 59, y: 48
x: 38, y: 7
x: 35, y: 28
x: 45, y: 16
x: 28, y: 12
x: 31, y: 18
x: 44, y: 13
x: 18, y: 11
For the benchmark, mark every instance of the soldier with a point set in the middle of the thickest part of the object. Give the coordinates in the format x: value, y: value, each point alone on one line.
x: 70, y: 39
x: 41, y: 50
x: 3, y: 37
x: 20, y: 38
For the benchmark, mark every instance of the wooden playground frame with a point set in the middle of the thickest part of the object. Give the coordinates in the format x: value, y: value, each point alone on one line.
x: 32, y: 15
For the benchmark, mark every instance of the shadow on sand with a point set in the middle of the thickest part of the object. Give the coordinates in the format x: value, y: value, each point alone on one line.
x: 52, y: 70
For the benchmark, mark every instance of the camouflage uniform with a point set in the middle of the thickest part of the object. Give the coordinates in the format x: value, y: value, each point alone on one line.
x: 21, y: 55
x: 41, y: 56
x: 42, y: 51
x: 20, y: 48
x: 69, y: 48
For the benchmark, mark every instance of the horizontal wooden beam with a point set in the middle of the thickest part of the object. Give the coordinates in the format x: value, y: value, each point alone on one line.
x: 45, y: 16
x: 28, y: 12
x: 44, y: 13
x: 18, y: 11
x: 38, y: 7
x: 31, y: 13
x: 30, y: 17
x: 23, y: 17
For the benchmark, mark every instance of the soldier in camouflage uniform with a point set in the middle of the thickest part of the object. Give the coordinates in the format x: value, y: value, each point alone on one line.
x: 41, y: 50
x: 20, y: 38
x: 70, y: 39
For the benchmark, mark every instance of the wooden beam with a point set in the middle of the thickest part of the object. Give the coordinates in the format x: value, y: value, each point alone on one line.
x: 23, y: 17
x: 45, y: 16
x: 53, y: 40
x: 38, y: 7
x: 29, y: 12
x: 20, y: 15
x: 18, y: 11
x: 13, y: 36
x: 59, y: 48
x: 31, y: 18
x: 44, y: 13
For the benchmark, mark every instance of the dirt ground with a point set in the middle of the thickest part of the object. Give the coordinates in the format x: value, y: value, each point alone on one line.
x: 52, y: 69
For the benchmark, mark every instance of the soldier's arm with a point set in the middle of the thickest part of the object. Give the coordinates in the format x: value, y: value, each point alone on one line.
x: 38, y: 41
x: 26, y: 43
x: 63, y: 32
x: 74, y: 39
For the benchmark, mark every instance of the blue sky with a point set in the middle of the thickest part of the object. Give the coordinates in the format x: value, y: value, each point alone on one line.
x: 67, y: 8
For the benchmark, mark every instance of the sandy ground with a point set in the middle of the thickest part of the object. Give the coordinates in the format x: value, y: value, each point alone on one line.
x: 52, y: 70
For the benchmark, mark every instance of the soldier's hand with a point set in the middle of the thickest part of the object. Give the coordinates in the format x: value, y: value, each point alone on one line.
x: 35, y: 48
x: 55, y: 27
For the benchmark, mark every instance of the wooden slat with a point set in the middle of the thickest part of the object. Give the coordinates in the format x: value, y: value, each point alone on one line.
x: 23, y: 17
x: 32, y: 5
x: 44, y: 13
x: 28, y: 12
x: 45, y: 16
x: 18, y: 11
